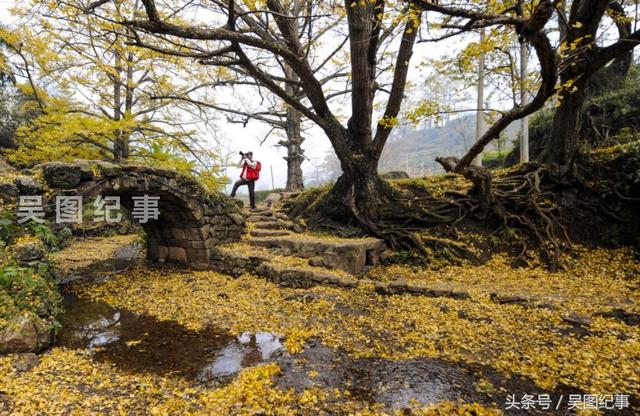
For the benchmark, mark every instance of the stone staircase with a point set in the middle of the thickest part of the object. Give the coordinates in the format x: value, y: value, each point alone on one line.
x: 282, y: 251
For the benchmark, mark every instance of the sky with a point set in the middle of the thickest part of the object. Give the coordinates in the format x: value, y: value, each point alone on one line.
x: 238, y: 138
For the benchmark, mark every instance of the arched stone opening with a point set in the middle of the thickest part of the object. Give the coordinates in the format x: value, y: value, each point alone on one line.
x: 191, y: 221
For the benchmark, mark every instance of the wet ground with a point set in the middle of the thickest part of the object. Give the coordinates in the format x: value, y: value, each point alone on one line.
x: 139, y: 343
x: 213, y: 357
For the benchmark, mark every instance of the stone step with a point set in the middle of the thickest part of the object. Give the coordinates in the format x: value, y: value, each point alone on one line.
x: 354, y: 256
x: 258, y: 218
x: 269, y: 233
x: 281, y: 270
x: 260, y: 211
x: 295, y: 272
x: 274, y: 225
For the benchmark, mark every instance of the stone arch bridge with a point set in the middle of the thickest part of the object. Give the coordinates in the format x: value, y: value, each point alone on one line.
x: 191, y: 221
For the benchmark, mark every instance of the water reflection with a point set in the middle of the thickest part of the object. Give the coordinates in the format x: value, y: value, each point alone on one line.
x: 140, y: 343
x: 246, y: 350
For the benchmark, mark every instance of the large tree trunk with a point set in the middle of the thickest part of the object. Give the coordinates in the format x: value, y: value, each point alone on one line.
x: 565, y: 130
x: 585, y: 66
x: 359, y: 193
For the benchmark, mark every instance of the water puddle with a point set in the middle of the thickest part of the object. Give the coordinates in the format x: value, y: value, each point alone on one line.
x: 140, y: 343
x: 399, y: 385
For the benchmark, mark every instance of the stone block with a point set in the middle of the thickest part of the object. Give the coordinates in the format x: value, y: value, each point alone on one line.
x: 177, y: 254
x: 28, y: 186
x: 163, y: 252
x: 236, y: 219
x: 8, y: 192
x: 178, y: 233
x: 197, y: 256
x: 61, y: 175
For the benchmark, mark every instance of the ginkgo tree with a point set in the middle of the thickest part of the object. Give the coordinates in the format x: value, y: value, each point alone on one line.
x: 247, y: 35
x: 94, y: 92
x: 254, y: 35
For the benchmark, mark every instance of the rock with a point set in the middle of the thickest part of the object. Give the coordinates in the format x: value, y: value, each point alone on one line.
x: 395, y: 174
x: 272, y: 199
x: 439, y: 293
x: 269, y: 233
x: 577, y: 319
x: 8, y: 192
x: 318, y: 262
x: 546, y: 305
x: 236, y: 219
x: 28, y: 186
x: 347, y: 282
x: 297, y: 228
x: 61, y: 175
x: 418, y: 289
x: 396, y: 287
x: 25, y: 362
x: 508, y: 299
x: 628, y: 317
x: 25, y: 334
x: 177, y: 254
x: 460, y: 294
x: 27, y: 252
x: 109, y: 169
x: 381, y: 287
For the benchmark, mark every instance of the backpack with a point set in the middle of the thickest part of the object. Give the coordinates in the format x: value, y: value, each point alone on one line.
x: 257, y: 169
x: 254, y: 174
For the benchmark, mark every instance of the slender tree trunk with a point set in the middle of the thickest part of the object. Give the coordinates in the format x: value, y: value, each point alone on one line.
x: 524, y: 121
x: 118, y: 148
x: 480, y: 127
x: 128, y: 105
x: 295, y: 154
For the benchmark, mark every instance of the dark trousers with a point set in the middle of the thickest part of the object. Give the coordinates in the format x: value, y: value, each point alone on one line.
x: 251, y: 185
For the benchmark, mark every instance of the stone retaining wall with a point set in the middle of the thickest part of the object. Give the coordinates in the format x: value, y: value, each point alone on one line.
x: 192, y: 221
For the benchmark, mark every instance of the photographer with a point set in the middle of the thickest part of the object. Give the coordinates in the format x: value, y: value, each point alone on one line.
x: 249, y: 175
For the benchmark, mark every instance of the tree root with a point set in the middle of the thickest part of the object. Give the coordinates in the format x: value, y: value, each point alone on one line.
x: 524, y: 206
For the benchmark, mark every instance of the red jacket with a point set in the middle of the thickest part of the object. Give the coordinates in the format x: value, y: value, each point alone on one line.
x: 249, y: 173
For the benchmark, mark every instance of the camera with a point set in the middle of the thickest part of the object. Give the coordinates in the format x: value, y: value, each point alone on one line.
x: 241, y: 154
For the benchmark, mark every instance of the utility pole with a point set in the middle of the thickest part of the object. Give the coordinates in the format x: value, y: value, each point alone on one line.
x: 407, y: 165
x: 273, y: 186
x: 477, y: 161
x: 524, y: 121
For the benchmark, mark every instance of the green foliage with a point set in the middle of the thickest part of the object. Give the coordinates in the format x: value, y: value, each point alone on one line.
x: 45, y: 234
x: 24, y: 289
x: 494, y: 159
x: 612, y: 117
x: 8, y: 227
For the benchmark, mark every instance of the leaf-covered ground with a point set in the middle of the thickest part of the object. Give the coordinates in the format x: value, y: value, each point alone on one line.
x: 536, y: 343
x: 85, y: 252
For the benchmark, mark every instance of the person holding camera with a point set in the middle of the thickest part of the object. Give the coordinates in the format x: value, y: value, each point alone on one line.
x: 249, y: 175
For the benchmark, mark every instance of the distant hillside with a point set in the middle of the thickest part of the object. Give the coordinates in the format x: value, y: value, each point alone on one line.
x: 414, y: 150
